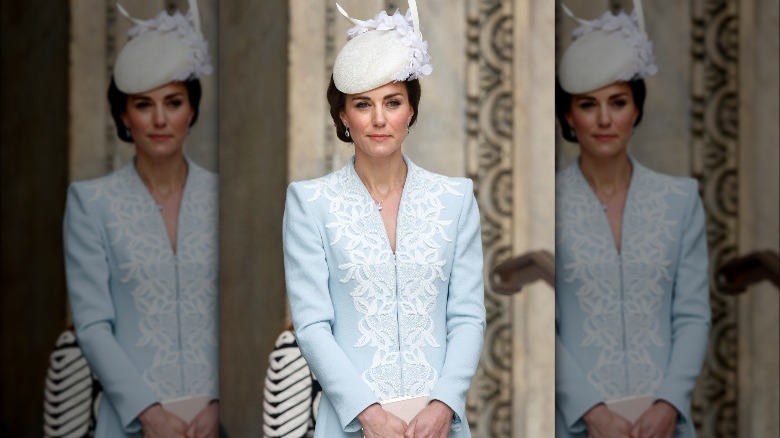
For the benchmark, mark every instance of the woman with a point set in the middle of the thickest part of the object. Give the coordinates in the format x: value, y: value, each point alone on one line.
x: 383, y: 260
x: 141, y: 247
x: 632, y: 300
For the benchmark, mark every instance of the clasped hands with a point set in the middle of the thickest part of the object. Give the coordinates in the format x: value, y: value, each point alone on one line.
x: 434, y: 421
x: 156, y: 422
x: 658, y: 421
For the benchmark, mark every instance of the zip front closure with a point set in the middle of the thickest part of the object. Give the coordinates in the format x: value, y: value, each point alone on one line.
x: 178, y: 322
x: 623, y: 322
x: 398, y: 322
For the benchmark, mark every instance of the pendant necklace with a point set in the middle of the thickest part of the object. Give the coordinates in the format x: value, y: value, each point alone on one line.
x: 379, y: 203
x: 162, y: 198
x: 389, y: 192
x: 604, y: 198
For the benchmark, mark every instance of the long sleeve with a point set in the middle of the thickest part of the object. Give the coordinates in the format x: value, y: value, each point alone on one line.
x: 306, y: 274
x: 574, y: 395
x: 88, y: 278
x: 465, y: 312
x: 690, y: 310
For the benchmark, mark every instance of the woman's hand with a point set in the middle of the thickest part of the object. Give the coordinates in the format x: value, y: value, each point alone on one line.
x: 378, y: 423
x: 602, y: 422
x: 434, y: 421
x: 156, y: 422
x: 659, y: 421
x: 206, y: 423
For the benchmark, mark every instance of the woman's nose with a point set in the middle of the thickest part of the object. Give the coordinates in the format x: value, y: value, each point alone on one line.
x: 160, y: 118
x: 379, y: 117
x: 604, y: 117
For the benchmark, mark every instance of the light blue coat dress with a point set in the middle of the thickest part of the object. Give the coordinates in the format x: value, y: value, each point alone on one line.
x: 146, y: 318
x: 375, y: 325
x: 636, y: 322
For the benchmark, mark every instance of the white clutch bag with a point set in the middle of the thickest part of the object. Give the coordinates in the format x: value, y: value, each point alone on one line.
x: 405, y: 408
x: 186, y: 408
x: 631, y: 408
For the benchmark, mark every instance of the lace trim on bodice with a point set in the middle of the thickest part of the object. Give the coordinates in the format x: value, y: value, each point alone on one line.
x: 175, y: 294
x: 621, y: 294
x: 395, y: 294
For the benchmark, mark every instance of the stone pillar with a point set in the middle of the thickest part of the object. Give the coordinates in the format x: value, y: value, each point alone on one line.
x: 33, y: 159
x: 759, y: 197
x: 533, y: 216
x: 253, y: 141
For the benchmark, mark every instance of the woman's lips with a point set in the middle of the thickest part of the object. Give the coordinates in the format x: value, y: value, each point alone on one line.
x: 604, y: 137
x: 379, y: 137
x: 160, y: 137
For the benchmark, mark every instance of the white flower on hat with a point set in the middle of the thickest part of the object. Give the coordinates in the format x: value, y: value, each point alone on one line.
x: 164, y: 49
x: 611, y: 48
x: 628, y: 28
x: 383, y: 49
x: 419, y: 60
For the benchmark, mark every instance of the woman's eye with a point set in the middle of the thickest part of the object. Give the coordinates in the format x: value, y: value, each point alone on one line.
x: 586, y: 105
x: 141, y: 105
x: 175, y: 103
x: 394, y: 104
x: 361, y: 105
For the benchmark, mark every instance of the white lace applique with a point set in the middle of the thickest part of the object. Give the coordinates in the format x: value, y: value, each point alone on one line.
x: 618, y: 317
x: 396, y: 308
x: 167, y: 322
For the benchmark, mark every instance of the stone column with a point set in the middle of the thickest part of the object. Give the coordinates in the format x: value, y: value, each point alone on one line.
x: 33, y: 163
x: 533, y: 215
x: 253, y: 141
x: 759, y: 197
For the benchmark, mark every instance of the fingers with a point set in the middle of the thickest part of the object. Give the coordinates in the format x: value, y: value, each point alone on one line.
x: 409, y: 433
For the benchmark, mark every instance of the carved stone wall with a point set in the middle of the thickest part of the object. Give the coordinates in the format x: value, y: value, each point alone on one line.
x: 715, y: 150
x: 490, y: 130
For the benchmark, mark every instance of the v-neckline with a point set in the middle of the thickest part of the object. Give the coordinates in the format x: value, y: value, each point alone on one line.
x: 157, y: 207
x: 605, y: 219
x: 377, y: 213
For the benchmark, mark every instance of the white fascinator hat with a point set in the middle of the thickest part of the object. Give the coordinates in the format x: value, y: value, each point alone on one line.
x: 387, y: 48
x: 612, y: 48
x: 165, y: 49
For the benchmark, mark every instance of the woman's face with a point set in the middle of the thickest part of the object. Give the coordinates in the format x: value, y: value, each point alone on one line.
x: 603, y: 120
x: 378, y: 120
x: 159, y: 120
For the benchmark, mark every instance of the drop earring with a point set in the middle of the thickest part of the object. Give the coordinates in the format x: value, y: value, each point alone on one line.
x: 572, y: 133
x: 127, y: 133
x: 346, y: 131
